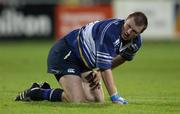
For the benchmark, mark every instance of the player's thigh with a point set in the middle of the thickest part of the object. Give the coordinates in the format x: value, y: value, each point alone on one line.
x: 93, y: 95
x: 73, y: 89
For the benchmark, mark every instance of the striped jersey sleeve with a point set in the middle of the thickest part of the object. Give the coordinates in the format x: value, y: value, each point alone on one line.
x: 106, y: 45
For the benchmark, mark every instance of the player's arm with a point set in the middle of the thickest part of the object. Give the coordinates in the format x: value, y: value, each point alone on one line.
x: 125, y: 55
x: 109, y: 81
x: 107, y: 77
x: 118, y: 60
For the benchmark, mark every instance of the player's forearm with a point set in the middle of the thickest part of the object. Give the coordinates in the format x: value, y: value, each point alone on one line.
x: 111, y: 87
x: 109, y: 81
x: 118, y: 60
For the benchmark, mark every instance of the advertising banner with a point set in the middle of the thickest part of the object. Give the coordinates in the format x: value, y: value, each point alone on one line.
x: 68, y: 18
x: 178, y: 19
x: 160, y: 15
x: 26, y: 22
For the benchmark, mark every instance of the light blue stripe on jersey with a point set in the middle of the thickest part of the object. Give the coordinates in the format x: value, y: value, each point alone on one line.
x: 88, y: 55
x: 116, y: 43
x: 105, y: 29
x: 88, y: 44
x: 104, y: 58
x: 104, y: 55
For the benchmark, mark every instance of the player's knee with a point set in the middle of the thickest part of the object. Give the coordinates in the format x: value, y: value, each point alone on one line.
x: 77, y: 99
x: 99, y: 95
x: 99, y: 99
x: 90, y: 98
x: 95, y: 97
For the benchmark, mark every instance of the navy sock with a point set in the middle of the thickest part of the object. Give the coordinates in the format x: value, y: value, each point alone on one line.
x: 36, y: 94
x: 46, y: 93
x: 52, y: 94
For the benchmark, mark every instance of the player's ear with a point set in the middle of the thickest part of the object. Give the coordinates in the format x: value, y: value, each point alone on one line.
x: 144, y: 28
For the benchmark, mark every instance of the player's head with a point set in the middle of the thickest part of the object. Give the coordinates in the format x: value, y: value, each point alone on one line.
x: 134, y: 24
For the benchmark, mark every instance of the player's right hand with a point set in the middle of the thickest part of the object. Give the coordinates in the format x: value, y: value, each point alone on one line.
x: 94, y: 80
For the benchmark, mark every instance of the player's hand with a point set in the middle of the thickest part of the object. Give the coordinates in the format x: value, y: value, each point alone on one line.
x: 133, y: 48
x: 94, y: 79
x: 118, y: 99
x: 130, y: 51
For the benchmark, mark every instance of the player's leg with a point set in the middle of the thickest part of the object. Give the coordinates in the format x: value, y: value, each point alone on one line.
x: 73, y: 90
x: 96, y: 94
x: 39, y: 92
x: 63, y: 63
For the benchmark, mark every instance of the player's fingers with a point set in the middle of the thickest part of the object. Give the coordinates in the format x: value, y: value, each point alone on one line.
x: 92, y: 77
x: 93, y: 84
x: 94, y: 81
x: 97, y: 86
x: 89, y: 76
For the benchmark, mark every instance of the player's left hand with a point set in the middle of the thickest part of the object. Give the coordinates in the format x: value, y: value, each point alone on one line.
x: 133, y: 48
x: 116, y: 98
x: 129, y: 52
x: 94, y: 79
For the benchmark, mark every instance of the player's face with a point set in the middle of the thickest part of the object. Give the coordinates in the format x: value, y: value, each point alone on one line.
x: 130, y: 30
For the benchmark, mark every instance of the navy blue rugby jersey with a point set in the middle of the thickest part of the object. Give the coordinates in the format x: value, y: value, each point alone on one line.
x: 98, y: 42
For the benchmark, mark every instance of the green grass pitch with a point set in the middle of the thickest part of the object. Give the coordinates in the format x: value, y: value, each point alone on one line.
x: 151, y: 82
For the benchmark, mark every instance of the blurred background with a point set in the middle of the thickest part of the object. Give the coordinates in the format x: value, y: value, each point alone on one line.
x: 51, y: 19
